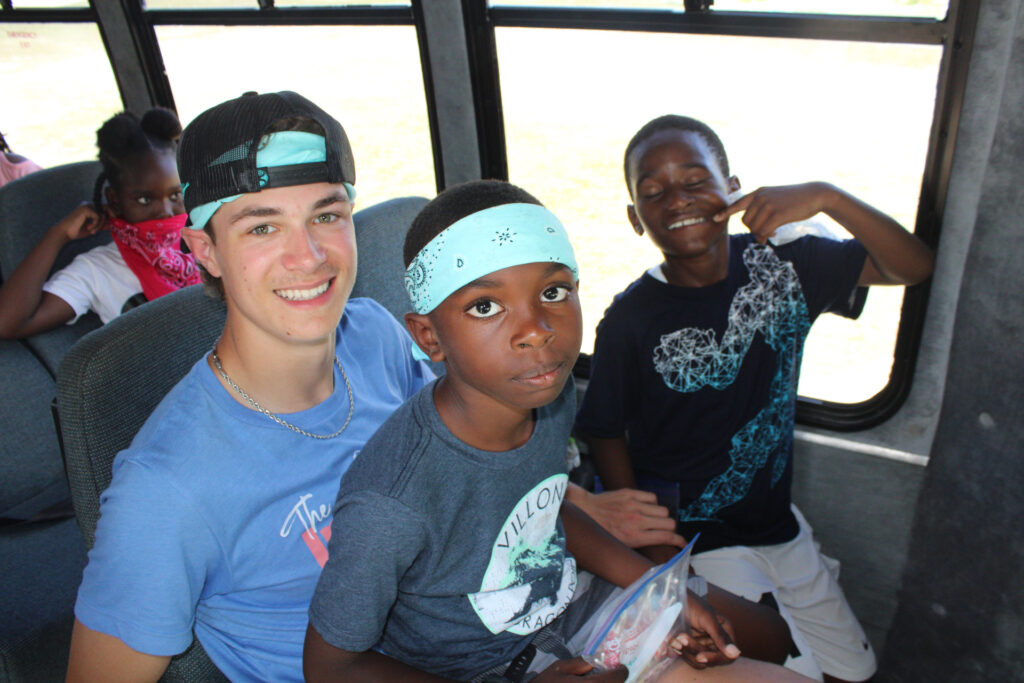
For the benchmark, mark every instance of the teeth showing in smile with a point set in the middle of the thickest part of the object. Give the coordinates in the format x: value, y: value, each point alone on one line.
x: 302, y: 294
x: 687, y: 222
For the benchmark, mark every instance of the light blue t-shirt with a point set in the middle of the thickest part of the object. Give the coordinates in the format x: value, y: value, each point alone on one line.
x: 218, y: 518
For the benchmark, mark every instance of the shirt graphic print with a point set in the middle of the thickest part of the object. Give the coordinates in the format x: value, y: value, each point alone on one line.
x: 530, y: 578
x: 691, y: 359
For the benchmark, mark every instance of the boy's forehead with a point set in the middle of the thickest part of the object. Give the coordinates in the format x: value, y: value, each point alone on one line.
x: 515, y: 275
x: 685, y: 144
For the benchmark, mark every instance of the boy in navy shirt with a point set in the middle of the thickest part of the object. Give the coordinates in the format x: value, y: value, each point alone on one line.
x: 693, y: 381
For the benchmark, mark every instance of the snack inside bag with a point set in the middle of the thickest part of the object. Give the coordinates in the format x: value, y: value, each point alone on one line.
x: 635, y: 629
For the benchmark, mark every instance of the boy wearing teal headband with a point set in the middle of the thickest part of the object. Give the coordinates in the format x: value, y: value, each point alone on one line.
x: 216, y: 520
x: 453, y: 553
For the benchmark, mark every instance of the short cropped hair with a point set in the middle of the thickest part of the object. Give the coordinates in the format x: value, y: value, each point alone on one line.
x: 683, y: 124
x: 454, y: 204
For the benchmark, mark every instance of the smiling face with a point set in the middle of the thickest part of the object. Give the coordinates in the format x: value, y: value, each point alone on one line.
x: 509, y: 339
x: 287, y: 260
x: 149, y: 190
x: 678, y: 186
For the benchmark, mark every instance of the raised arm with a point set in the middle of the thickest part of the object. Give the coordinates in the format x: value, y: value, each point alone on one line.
x: 100, y: 658
x: 25, y: 309
x: 895, y: 256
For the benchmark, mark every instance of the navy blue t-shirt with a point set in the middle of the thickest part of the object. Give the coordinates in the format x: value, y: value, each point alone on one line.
x: 703, y: 381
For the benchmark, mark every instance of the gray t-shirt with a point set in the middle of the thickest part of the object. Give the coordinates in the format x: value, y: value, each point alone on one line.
x: 444, y: 556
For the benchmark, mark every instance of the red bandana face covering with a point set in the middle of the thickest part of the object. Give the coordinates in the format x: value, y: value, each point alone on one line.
x: 152, y: 250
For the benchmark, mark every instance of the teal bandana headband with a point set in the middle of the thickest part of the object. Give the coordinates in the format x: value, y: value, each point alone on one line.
x: 286, y: 148
x: 482, y: 243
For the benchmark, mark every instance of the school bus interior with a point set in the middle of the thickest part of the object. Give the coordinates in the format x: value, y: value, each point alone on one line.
x: 909, y: 461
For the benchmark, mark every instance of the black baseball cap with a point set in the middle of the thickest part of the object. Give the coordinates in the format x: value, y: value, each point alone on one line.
x: 217, y: 152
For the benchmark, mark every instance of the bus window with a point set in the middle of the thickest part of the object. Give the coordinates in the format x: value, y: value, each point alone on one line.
x: 856, y: 114
x: 254, y: 4
x: 58, y: 89
x: 369, y: 77
x: 47, y: 4
x: 201, y: 4
x: 934, y: 9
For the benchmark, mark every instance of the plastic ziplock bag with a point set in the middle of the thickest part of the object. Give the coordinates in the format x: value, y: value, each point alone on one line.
x: 636, y: 628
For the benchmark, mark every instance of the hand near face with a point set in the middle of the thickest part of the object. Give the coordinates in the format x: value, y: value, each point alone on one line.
x: 768, y: 208
x: 82, y: 222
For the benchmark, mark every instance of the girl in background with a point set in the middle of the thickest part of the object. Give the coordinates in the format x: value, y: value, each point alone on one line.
x: 138, y: 198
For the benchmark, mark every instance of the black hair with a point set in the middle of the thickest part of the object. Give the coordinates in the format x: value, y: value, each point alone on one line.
x: 682, y: 124
x: 124, y: 139
x: 454, y: 204
x: 4, y: 147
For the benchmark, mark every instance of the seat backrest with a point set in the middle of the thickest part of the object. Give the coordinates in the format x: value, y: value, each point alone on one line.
x: 112, y: 379
x: 31, y: 476
x: 380, y: 234
x: 29, y: 206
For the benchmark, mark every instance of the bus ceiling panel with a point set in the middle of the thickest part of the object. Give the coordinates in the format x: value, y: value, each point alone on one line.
x: 754, y: 24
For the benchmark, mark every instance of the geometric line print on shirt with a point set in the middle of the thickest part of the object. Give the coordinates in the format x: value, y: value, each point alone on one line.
x: 690, y: 359
x: 529, y: 579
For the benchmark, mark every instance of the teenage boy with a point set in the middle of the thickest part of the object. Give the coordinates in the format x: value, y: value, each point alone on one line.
x: 453, y: 552
x: 693, y: 381
x: 217, y: 516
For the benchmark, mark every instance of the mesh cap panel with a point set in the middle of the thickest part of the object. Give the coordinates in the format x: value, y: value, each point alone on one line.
x: 217, y: 153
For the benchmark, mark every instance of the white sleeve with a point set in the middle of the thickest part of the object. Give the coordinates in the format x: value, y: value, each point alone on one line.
x: 98, y: 280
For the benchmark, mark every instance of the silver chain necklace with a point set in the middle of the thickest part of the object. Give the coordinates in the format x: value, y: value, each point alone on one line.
x: 275, y: 418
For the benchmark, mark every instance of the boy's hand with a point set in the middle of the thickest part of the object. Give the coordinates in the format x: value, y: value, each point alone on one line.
x: 768, y: 208
x: 573, y: 669
x: 82, y: 222
x: 709, y: 641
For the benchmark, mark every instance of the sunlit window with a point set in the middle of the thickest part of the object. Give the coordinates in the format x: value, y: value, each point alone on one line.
x: 49, y: 4
x: 47, y: 123
x: 369, y: 78
x: 253, y: 4
x: 935, y: 9
x: 788, y: 111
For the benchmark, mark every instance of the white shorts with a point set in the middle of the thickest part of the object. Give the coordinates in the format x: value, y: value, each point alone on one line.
x: 804, y: 584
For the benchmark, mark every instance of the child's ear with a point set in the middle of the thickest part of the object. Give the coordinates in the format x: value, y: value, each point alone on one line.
x: 734, y: 184
x: 201, y: 246
x: 634, y: 220
x: 421, y: 329
x: 111, y: 208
